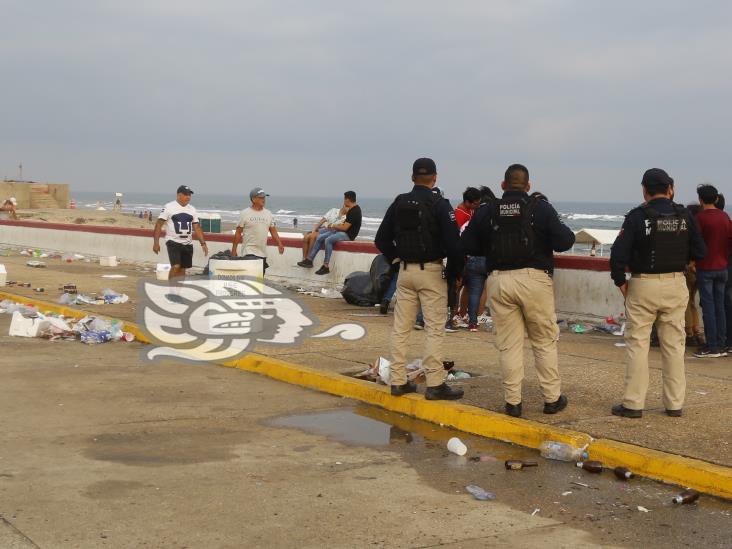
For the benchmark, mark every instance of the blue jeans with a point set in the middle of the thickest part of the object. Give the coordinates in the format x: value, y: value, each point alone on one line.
x: 392, y: 284
x: 328, y: 239
x: 475, y: 277
x: 711, y: 286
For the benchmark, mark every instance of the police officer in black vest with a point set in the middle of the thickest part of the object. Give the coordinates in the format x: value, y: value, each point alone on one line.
x: 656, y: 243
x: 518, y: 235
x: 419, y: 228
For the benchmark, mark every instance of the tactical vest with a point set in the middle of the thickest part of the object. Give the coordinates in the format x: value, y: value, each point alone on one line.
x: 664, y: 247
x: 417, y: 231
x: 512, y: 233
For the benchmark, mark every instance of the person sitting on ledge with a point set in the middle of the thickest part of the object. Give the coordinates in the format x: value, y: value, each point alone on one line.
x: 348, y: 230
x: 334, y: 216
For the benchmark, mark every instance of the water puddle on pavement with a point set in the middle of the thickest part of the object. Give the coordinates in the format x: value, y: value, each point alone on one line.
x: 369, y: 426
x: 633, y: 513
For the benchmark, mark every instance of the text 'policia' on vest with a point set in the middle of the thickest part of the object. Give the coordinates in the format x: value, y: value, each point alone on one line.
x: 513, y: 237
x: 666, y: 250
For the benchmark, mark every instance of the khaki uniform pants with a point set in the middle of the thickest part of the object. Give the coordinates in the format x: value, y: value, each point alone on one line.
x: 427, y: 288
x: 659, y: 298
x: 523, y: 300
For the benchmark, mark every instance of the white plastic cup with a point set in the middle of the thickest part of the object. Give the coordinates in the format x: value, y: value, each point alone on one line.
x: 456, y: 446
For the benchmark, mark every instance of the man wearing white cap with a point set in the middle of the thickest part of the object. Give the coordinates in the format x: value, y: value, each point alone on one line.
x: 251, y: 231
x: 7, y: 210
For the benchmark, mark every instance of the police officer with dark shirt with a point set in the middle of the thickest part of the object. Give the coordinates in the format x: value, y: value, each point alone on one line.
x: 419, y: 228
x: 518, y: 235
x: 656, y: 242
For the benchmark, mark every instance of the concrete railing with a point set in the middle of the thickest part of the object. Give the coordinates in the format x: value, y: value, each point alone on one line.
x: 582, y: 284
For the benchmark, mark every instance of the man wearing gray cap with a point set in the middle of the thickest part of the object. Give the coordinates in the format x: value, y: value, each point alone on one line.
x: 251, y: 231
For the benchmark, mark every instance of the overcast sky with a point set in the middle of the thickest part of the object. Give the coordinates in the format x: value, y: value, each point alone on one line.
x: 313, y: 97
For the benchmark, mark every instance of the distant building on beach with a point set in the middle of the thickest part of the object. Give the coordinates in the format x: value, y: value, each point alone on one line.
x: 30, y: 194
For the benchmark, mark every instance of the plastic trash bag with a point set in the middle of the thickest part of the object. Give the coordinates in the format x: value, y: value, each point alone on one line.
x: 358, y: 290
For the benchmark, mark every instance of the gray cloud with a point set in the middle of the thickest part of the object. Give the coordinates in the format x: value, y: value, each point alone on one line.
x: 307, y: 95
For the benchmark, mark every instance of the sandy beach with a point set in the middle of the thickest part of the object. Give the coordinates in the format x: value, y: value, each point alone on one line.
x: 109, y: 218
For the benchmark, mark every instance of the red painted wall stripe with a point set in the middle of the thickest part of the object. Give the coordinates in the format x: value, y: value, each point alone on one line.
x: 584, y: 263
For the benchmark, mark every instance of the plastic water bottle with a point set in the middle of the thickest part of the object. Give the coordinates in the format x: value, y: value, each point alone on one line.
x: 116, y: 330
x: 92, y: 337
x: 480, y: 494
x: 561, y: 451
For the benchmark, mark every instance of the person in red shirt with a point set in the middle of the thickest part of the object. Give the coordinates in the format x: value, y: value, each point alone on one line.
x: 463, y: 213
x: 711, y: 272
x: 466, y: 209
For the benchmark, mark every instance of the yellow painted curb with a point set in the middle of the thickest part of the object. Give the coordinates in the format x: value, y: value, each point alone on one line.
x: 693, y: 473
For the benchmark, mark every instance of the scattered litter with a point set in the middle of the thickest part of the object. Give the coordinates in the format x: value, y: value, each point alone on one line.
x: 114, y: 276
x: 643, y: 509
x: 456, y: 446
x: 330, y: 293
x: 567, y: 493
x: 591, y: 466
x: 701, y: 392
x: 686, y: 497
x: 561, y: 451
x: 380, y: 371
x: 518, y: 464
x: 488, y: 458
x: 458, y: 374
x: 39, y: 290
x: 535, y: 511
x: 36, y: 264
x: 108, y: 261
x: 623, y: 473
x: 620, y: 345
x: 27, y: 326
x: 478, y: 493
x: 108, y: 297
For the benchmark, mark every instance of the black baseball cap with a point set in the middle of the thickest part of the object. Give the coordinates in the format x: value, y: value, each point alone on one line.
x: 184, y: 189
x: 424, y: 166
x: 657, y: 176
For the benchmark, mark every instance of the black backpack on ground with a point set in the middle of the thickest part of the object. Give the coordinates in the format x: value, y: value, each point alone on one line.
x: 512, y: 232
x: 417, y: 229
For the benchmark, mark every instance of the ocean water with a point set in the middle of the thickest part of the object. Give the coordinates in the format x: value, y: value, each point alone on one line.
x: 309, y: 209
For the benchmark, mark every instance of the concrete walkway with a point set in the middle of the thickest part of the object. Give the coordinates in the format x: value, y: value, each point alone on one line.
x: 592, y: 367
x: 101, y: 450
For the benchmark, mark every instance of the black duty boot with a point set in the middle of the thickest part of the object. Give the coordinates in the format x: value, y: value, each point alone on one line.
x: 674, y: 413
x: 513, y: 410
x: 622, y: 411
x: 443, y: 392
x: 554, y: 407
x: 399, y: 390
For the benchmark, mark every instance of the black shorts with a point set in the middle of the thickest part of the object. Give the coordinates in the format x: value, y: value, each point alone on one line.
x: 180, y: 254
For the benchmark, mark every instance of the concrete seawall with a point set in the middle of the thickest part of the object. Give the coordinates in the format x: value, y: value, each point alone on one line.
x: 582, y: 284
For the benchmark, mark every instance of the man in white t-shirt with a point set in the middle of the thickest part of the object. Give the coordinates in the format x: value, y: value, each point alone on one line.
x: 181, y: 221
x: 255, y: 222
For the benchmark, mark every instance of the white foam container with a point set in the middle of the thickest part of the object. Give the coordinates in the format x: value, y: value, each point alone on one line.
x: 108, y: 261
x: 3, y: 275
x: 162, y: 270
x: 27, y: 327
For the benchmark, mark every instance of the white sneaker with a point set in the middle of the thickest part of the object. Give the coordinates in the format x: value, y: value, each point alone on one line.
x: 458, y: 322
